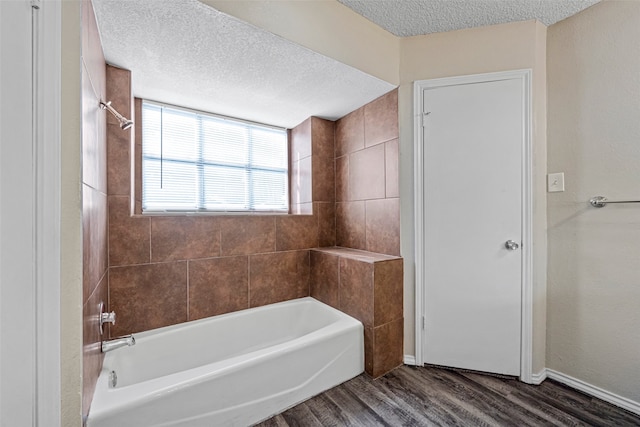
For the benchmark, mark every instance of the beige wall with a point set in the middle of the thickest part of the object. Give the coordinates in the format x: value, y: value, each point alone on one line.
x: 71, y: 219
x: 593, y: 112
x: 326, y: 27
x: 594, y: 138
x: 512, y: 46
x: 356, y: 42
x: 539, y: 291
x: 404, y: 60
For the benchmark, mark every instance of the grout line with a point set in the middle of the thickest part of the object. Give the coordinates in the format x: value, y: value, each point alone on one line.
x: 316, y: 211
x: 275, y: 240
x: 309, y: 276
x: 108, y: 331
x: 108, y: 233
x: 384, y: 166
x: 366, y: 246
x: 348, y: 195
x: 93, y: 88
x: 213, y: 257
x: 188, y: 314
x: 248, y: 281
x: 97, y: 190
x: 95, y: 288
x: 219, y: 238
x: 373, y: 296
x: 339, y: 283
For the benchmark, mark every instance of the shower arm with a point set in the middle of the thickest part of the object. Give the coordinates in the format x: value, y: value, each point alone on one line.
x: 124, y: 122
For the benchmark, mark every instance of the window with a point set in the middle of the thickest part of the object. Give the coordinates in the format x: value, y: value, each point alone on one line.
x: 198, y: 162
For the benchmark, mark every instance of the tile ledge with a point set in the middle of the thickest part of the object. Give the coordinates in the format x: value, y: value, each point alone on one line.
x: 356, y: 254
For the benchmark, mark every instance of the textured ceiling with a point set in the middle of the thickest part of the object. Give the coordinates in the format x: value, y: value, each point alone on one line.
x: 186, y: 53
x: 415, y: 17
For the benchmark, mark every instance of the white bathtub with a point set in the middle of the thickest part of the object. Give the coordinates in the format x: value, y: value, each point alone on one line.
x: 230, y: 370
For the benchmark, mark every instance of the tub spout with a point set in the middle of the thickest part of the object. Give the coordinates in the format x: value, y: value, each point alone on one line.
x: 109, y: 345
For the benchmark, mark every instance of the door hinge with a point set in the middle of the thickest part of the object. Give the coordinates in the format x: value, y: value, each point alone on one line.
x: 423, y: 323
x: 424, y: 117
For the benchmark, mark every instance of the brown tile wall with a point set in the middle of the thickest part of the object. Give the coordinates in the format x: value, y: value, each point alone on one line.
x: 94, y: 200
x: 366, y: 170
x: 367, y: 286
x: 170, y: 269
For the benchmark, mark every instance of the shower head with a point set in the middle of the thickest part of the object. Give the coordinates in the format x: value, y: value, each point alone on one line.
x: 124, y: 122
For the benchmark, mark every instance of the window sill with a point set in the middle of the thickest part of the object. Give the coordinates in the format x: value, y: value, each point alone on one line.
x: 217, y: 214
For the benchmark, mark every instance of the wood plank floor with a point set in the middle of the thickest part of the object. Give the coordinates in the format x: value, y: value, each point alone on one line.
x: 411, y: 396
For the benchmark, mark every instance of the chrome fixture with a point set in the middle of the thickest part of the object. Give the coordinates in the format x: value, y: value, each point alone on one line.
x: 127, y: 340
x: 105, y: 317
x: 124, y: 122
x: 511, y: 245
x: 601, y: 201
x: 113, y: 379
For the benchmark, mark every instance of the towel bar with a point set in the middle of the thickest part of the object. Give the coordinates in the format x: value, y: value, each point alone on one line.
x: 601, y: 201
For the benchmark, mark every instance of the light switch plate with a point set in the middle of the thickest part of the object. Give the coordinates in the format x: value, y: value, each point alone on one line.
x: 555, y: 182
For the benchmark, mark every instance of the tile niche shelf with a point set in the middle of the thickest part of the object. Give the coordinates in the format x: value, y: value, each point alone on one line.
x: 367, y: 286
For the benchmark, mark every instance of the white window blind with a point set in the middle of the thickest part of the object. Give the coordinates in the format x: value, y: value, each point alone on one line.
x: 194, y: 162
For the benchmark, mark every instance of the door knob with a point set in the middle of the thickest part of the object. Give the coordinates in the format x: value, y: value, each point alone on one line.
x: 511, y: 245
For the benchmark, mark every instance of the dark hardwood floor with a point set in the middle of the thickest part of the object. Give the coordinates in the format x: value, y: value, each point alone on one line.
x: 411, y: 396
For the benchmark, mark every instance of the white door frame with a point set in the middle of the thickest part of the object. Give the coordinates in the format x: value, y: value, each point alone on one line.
x: 48, y: 74
x: 526, y: 344
x: 31, y: 395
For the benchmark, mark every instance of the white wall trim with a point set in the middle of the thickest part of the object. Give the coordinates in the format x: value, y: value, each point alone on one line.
x: 29, y: 286
x: 537, y: 379
x: 526, y: 352
x: 526, y: 349
x: 410, y: 360
x: 47, y: 151
x: 607, y: 396
x: 418, y: 203
x: 540, y: 377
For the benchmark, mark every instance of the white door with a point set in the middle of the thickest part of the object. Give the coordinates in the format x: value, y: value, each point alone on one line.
x: 473, y: 144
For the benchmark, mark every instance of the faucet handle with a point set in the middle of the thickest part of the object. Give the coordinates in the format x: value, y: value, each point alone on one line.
x: 106, y: 317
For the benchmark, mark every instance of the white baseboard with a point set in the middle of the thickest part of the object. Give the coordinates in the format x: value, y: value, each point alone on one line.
x: 409, y: 360
x: 537, y: 379
x: 602, y: 394
x: 594, y: 391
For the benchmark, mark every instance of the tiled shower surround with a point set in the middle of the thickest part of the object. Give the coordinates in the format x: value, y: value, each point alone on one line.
x: 94, y: 200
x: 367, y: 286
x: 165, y: 270
x: 367, y: 195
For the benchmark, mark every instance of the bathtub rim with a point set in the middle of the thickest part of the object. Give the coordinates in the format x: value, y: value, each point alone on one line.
x: 230, y: 315
x: 111, y: 399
